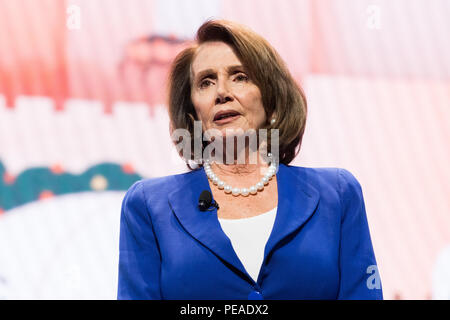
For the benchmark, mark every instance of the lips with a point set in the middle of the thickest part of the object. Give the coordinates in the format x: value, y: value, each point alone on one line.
x: 225, y: 116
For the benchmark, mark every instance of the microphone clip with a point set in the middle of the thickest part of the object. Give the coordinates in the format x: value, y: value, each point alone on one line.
x: 205, y: 202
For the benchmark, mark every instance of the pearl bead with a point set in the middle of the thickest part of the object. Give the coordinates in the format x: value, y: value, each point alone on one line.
x: 271, y: 171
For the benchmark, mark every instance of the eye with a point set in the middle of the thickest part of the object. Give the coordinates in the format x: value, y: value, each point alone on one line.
x: 205, y: 83
x: 241, y: 77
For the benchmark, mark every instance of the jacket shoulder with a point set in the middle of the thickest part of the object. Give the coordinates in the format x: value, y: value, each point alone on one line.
x: 156, y: 187
x: 336, y: 178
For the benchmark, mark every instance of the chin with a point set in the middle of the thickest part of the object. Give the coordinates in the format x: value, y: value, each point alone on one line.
x: 233, y: 131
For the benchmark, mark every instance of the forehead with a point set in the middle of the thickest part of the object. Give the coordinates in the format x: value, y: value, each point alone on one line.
x: 214, y: 55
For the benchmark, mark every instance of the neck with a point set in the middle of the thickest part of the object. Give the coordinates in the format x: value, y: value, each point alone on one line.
x: 240, y: 179
x: 236, y: 169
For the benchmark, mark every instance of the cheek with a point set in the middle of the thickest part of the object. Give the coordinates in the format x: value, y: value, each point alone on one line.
x: 253, y: 103
x: 200, y: 106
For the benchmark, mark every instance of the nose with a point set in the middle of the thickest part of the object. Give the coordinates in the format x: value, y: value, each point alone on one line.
x: 223, y: 94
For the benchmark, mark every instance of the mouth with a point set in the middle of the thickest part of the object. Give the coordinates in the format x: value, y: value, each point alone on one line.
x: 226, y: 116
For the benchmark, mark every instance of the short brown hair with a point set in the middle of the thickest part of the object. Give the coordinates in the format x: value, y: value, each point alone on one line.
x: 279, y: 91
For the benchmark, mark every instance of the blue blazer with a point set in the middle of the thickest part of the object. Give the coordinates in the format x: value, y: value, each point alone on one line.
x: 319, y: 248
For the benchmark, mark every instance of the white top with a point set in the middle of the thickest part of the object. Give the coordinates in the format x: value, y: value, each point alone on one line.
x: 249, y: 237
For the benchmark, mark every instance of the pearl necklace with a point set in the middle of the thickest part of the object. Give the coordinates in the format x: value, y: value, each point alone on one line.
x: 237, y: 191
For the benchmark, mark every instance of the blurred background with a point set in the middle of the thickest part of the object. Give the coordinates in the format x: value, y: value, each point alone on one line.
x: 83, y: 116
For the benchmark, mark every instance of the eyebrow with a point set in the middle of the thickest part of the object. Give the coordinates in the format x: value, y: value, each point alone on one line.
x: 204, y: 73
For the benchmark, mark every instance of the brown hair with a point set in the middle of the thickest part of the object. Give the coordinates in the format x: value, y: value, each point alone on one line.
x: 279, y: 91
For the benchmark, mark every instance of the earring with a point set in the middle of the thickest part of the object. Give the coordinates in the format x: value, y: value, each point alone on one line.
x: 272, y: 121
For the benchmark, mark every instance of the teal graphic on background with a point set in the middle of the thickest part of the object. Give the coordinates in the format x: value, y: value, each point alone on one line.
x: 41, y: 182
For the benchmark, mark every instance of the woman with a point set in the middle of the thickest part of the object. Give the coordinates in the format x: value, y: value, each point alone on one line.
x: 279, y: 232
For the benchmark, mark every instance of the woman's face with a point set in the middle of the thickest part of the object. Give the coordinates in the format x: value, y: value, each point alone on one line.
x: 222, y: 93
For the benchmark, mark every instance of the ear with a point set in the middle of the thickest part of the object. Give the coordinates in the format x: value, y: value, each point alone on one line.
x: 274, y: 114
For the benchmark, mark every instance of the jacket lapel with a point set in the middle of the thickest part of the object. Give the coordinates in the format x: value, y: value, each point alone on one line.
x: 201, y: 225
x: 297, y: 201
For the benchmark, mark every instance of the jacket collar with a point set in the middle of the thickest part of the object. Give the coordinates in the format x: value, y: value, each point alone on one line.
x: 297, y: 201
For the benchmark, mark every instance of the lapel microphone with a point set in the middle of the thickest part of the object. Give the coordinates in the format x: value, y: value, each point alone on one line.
x: 205, y: 201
